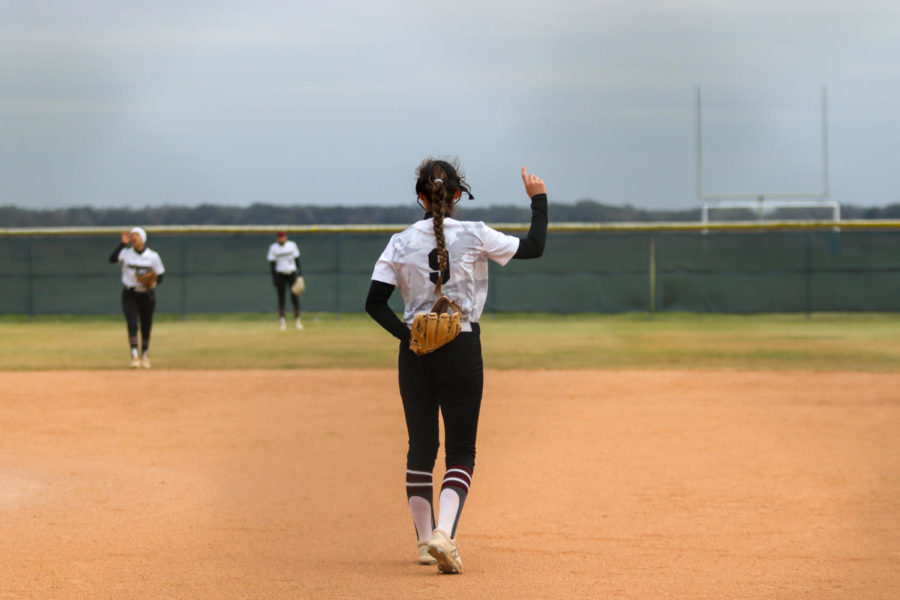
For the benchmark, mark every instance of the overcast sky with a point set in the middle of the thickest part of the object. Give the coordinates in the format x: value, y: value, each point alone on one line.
x: 135, y: 103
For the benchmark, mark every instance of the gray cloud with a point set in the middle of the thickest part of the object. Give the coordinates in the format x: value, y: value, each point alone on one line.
x: 145, y: 103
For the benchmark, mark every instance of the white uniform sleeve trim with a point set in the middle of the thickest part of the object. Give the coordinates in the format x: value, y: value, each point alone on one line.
x: 158, y: 264
x: 499, y: 247
x: 384, y: 267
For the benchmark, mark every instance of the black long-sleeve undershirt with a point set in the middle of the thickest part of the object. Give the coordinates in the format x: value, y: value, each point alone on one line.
x: 114, y: 257
x: 531, y: 246
x: 378, y: 309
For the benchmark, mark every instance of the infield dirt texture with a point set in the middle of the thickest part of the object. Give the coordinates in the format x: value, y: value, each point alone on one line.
x: 589, y: 484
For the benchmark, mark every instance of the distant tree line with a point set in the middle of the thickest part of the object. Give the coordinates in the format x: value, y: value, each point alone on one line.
x: 270, y: 214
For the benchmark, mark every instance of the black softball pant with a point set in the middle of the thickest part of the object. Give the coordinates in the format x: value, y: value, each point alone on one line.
x: 138, y: 306
x: 283, y: 283
x: 450, y: 380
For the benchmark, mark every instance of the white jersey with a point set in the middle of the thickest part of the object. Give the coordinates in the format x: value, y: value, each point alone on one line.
x: 134, y: 264
x: 284, y: 255
x: 410, y: 263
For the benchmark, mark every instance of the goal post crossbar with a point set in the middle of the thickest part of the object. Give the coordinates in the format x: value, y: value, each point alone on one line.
x: 762, y: 203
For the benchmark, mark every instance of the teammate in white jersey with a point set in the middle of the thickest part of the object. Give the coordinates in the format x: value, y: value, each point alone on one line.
x: 142, y: 271
x: 448, y: 381
x: 284, y: 262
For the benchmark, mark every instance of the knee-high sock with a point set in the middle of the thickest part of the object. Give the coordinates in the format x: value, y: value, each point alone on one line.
x: 420, y: 494
x: 454, y: 490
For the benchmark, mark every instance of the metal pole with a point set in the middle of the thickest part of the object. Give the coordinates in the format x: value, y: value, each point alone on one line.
x: 808, y: 290
x: 652, y: 300
x: 183, y: 278
x: 699, y: 148
x: 825, y: 141
x: 30, y: 272
x: 337, y: 275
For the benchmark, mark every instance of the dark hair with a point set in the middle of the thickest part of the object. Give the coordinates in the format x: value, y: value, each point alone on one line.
x: 441, y: 182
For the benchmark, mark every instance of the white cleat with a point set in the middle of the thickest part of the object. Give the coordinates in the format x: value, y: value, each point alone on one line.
x: 299, y: 325
x: 445, y: 551
x: 145, y: 362
x: 424, y: 557
x: 282, y: 326
x: 135, y: 362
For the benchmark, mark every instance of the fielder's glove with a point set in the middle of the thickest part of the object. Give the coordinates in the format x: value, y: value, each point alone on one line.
x: 299, y: 286
x: 432, y: 330
x: 148, y: 279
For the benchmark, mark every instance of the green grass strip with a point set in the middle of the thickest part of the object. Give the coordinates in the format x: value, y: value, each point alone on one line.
x: 825, y: 342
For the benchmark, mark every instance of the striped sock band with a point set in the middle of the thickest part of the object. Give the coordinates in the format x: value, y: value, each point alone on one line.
x: 419, y: 483
x: 458, y: 477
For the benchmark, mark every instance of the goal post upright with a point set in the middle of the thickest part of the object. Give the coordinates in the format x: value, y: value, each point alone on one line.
x: 759, y: 201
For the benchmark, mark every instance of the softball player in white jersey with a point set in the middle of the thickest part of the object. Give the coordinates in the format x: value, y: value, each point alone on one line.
x: 138, y: 297
x: 449, y: 381
x: 284, y: 262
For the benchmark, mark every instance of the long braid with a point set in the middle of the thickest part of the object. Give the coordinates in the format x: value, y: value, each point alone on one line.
x: 437, y: 209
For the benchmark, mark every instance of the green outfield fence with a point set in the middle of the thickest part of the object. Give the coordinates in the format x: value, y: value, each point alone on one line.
x: 587, y: 268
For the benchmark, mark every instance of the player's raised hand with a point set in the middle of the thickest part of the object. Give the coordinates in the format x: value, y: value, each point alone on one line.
x: 533, y: 184
x: 126, y: 238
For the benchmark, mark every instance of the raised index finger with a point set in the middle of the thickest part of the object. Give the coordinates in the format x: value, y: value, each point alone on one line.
x: 524, y: 175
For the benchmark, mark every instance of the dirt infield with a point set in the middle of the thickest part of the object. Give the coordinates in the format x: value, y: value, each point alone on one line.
x: 290, y: 484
